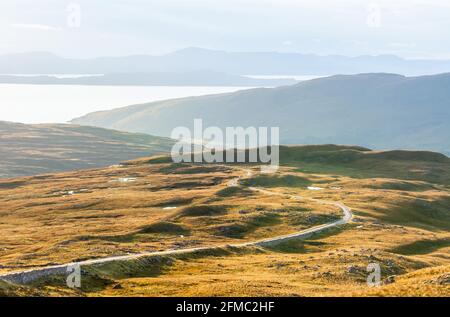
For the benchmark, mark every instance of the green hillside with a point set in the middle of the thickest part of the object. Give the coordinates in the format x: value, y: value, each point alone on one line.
x: 359, y: 162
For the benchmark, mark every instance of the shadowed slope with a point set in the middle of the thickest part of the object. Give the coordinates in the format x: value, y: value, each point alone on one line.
x: 44, y: 148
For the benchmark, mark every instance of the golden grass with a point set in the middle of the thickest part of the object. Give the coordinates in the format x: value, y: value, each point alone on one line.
x: 81, y: 215
x: 125, y: 209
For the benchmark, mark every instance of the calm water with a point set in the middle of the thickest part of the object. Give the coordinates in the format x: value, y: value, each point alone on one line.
x: 61, y: 103
x: 296, y: 77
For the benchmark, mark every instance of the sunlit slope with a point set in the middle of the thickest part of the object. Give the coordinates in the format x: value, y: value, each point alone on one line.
x: 400, y: 201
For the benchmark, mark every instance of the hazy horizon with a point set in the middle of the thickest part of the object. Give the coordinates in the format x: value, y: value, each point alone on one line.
x: 86, y: 29
x: 220, y: 50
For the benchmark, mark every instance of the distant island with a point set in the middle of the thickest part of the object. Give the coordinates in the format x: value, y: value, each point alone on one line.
x: 198, y: 78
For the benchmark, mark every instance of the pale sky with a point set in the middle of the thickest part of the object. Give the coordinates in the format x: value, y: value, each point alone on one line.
x: 91, y: 28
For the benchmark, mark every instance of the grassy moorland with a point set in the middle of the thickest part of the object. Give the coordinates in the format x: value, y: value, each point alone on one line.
x: 400, y: 201
x: 31, y: 149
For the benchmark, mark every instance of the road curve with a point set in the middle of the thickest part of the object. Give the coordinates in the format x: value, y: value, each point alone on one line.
x: 28, y: 276
x: 346, y: 218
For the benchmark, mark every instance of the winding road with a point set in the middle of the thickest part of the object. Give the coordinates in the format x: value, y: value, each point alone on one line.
x: 28, y: 276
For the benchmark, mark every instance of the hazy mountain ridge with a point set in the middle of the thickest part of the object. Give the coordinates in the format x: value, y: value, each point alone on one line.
x: 381, y: 111
x: 194, y: 78
x: 239, y: 63
x: 44, y: 148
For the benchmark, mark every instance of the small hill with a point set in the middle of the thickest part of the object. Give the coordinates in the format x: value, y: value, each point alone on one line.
x: 44, y: 148
x: 343, y: 160
x: 360, y: 162
x: 335, y: 154
x: 347, y: 160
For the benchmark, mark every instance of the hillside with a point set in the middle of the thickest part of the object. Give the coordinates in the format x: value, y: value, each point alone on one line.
x: 44, y: 148
x: 380, y: 111
x: 401, y: 222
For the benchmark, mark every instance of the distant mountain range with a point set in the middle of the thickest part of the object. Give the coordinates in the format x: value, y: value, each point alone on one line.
x: 380, y: 111
x: 197, y: 78
x: 237, y: 63
x: 45, y: 148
